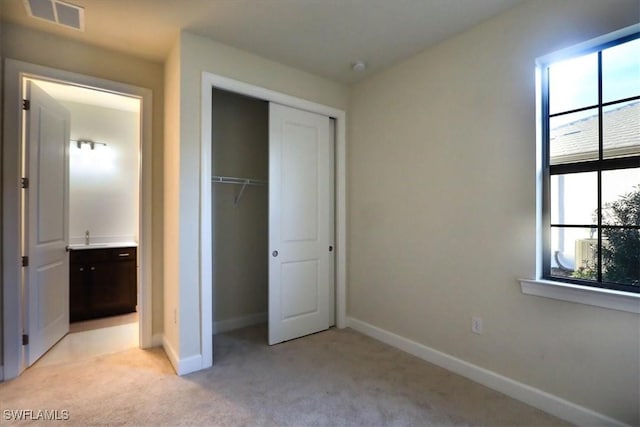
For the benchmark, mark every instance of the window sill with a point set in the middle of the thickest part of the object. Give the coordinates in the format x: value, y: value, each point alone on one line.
x: 606, y: 298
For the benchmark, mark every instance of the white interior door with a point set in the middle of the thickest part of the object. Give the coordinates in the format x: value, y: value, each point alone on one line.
x: 299, y: 223
x: 46, y: 217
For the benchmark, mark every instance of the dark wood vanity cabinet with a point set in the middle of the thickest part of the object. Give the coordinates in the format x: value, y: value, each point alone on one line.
x: 102, y: 282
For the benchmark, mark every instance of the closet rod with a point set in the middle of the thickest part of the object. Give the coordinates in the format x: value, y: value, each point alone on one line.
x: 241, y: 181
x: 234, y: 180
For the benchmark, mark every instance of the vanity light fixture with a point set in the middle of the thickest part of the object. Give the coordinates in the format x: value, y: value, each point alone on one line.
x: 91, y: 144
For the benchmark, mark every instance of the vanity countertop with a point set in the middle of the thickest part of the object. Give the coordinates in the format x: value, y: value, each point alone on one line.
x: 82, y: 246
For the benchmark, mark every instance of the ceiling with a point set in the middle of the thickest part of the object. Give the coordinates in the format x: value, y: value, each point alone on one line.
x: 82, y: 95
x: 323, y: 37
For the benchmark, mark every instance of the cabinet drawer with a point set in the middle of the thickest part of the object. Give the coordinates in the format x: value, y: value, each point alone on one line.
x: 77, y: 257
x: 86, y: 256
x: 123, y: 254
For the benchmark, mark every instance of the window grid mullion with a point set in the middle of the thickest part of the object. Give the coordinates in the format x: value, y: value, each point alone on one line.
x: 594, y: 165
x: 591, y: 107
x: 600, y: 159
x: 604, y: 226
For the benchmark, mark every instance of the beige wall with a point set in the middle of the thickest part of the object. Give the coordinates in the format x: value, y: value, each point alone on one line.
x: 240, y: 148
x: 442, y: 210
x: 45, y: 49
x: 171, y: 194
x: 198, y: 54
x: 103, y: 197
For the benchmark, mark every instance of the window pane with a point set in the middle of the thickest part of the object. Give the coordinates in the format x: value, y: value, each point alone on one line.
x: 574, y: 198
x: 621, y: 256
x: 573, y: 83
x: 574, y: 253
x: 621, y: 197
x: 621, y: 129
x: 621, y: 71
x: 574, y: 137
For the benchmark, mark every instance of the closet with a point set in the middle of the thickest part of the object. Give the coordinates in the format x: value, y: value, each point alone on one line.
x: 240, y: 151
x: 272, y: 217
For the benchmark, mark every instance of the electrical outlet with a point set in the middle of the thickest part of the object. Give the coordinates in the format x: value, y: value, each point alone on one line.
x: 476, y: 325
x: 175, y: 316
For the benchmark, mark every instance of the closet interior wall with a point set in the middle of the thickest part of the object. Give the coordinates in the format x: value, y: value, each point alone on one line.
x: 240, y: 148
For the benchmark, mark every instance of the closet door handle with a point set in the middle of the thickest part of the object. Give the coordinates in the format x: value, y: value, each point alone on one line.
x: 275, y: 254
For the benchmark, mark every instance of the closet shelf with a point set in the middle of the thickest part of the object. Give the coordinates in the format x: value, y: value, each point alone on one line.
x: 238, y: 181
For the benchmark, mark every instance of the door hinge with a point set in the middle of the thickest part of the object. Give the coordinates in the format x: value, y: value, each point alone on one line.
x: 25, y: 261
x: 24, y: 182
x: 26, y: 104
x: 25, y: 339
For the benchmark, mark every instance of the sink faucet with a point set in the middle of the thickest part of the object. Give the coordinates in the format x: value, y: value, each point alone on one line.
x: 86, y: 237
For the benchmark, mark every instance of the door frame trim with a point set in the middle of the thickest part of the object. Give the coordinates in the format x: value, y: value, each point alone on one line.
x: 13, y: 309
x: 209, y: 81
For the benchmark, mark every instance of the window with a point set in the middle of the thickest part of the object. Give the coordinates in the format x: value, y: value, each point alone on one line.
x: 591, y: 166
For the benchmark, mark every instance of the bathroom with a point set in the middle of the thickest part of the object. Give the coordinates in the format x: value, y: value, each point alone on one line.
x: 103, y: 207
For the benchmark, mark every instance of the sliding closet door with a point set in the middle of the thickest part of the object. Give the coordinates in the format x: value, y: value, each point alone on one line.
x: 299, y: 223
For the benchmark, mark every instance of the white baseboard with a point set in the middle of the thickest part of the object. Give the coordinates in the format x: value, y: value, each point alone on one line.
x: 181, y: 366
x: 239, y: 322
x: 547, y: 402
x: 171, y: 354
x: 156, y: 340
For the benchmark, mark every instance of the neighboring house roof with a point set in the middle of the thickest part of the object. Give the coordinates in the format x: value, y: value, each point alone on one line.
x: 578, y: 140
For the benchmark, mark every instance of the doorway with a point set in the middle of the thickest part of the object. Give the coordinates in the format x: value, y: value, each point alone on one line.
x: 86, y: 89
x: 240, y: 210
x: 337, y: 124
x: 101, y: 225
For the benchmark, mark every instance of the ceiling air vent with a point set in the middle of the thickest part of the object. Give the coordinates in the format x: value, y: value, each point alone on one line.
x: 57, y: 12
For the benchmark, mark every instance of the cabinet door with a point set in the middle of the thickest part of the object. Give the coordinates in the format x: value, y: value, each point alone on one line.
x: 126, y: 277
x: 113, y: 283
x: 78, y: 292
x: 101, y: 297
x: 124, y: 283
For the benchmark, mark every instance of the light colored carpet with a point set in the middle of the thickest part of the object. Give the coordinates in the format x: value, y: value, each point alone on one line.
x: 337, y: 377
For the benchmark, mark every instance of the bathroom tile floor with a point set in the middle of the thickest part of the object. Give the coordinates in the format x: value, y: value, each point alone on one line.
x: 103, y: 322
x: 93, y: 338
